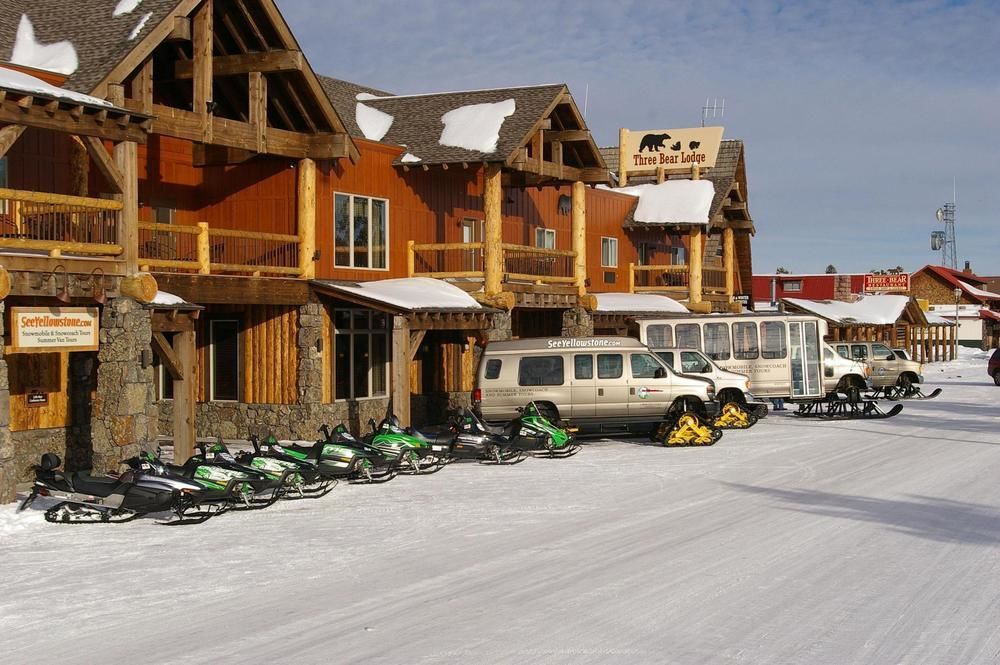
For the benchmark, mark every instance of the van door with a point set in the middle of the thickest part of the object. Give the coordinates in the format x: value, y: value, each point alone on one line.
x: 583, y: 389
x: 885, y: 365
x: 804, y: 359
x: 647, y: 394
x: 612, y: 386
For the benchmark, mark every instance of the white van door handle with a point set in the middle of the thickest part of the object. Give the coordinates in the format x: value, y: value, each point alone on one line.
x: 600, y: 392
x: 631, y: 391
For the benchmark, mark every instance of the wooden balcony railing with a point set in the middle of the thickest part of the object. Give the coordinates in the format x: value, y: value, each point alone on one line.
x: 521, y: 262
x: 59, y: 224
x: 207, y: 251
x: 674, y: 279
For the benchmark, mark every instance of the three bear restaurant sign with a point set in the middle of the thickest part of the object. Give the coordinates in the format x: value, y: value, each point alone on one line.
x: 673, y: 150
x: 885, y: 283
x: 42, y: 329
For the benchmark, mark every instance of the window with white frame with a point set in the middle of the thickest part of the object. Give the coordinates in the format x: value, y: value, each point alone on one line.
x: 361, y: 232
x: 609, y: 252
x: 224, y: 366
x: 361, y: 354
x: 545, y: 238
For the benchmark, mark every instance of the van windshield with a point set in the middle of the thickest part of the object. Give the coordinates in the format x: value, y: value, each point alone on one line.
x: 644, y: 366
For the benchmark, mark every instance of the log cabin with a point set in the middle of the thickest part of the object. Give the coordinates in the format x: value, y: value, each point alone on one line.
x: 260, y: 249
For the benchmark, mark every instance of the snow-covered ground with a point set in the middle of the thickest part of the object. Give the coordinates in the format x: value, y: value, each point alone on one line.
x: 793, y: 542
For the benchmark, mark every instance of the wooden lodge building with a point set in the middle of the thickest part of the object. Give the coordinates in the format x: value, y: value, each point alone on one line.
x: 242, y: 246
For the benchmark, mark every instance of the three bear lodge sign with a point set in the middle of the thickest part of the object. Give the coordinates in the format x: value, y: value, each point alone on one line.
x: 44, y: 329
x: 667, y: 151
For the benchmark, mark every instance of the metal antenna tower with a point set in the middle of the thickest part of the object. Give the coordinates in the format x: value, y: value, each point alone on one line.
x: 946, y: 215
x: 712, y: 109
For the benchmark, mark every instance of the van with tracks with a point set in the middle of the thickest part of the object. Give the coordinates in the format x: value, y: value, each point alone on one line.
x: 730, y: 387
x: 597, y: 384
x: 888, y: 369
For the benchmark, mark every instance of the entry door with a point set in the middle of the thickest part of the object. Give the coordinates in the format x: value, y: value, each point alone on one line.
x: 472, y: 231
x: 885, y: 366
x: 646, y: 393
x: 804, y: 359
x: 612, y: 386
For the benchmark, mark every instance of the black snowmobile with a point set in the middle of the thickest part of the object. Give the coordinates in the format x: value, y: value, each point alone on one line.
x: 306, y: 479
x: 467, y: 437
x: 85, y: 498
x: 341, y: 454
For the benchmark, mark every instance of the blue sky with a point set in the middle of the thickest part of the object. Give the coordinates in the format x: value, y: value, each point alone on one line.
x: 855, y: 115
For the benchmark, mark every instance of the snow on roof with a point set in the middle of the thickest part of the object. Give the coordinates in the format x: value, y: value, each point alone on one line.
x: 938, y: 320
x: 672, y: 201
x: 165, y: 298
x: 57, y: 57
x: 475, y: 126
x: 125, y: 7
x: 15, y: 80
x: 139, y: 26
x: 373, y: 123
x: 979, y: 293
x: 870, y: 310
x: 409, y: 159
x: 637, y: 302
x: 412, y: 293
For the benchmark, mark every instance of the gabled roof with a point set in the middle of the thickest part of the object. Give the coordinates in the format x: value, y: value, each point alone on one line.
x: 867, y: 310
x: 962, y: 280
x: 417, y: 120
x: 101, y: 39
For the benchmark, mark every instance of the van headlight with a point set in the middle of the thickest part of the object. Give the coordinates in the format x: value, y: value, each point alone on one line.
x: 746, y: 386
x: 868, y: 371
x: 710, y: 389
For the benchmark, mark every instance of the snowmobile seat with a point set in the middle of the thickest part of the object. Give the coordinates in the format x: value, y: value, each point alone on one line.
x: 441, y: 437
x: 96, y: 485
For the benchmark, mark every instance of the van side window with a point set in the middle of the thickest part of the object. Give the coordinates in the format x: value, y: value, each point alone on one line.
x: 667, y: 356
x: 644, y: 366
x: 583, y: 367
x: 540, y: 371
x: 859, y: 351
x: 493, y: 366
x: 745, y: 341
x: 772, y: 337
x: 842, y: 350
x: 609, y: 366
x: 717, y: 341
x: 880, y: 352
x: 659, y: 335
x: 694, y: 363
x: 689, y: 335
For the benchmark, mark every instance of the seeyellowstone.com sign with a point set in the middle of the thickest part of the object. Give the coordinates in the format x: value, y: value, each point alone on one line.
x: 44, y: 329
x: 673, y: 150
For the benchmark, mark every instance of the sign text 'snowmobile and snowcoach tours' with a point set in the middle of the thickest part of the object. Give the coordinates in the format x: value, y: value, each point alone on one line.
x: 43, y: 329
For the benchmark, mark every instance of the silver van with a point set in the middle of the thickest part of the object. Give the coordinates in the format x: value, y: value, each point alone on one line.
x: 597, y: 384
x: 729, y: 386
x: 887, y: 368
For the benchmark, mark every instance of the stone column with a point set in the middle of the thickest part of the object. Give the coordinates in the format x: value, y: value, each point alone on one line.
x: 501, y: 330
x: 310, y: 378
x: 8, y: 472
x: 577, y: 322
x: 121, y: 424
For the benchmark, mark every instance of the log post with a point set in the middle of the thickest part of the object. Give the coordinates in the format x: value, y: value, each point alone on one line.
x: 622, y: 157
x: 579, y: 224
x: 307, y: 217
x: 79, y: 168
x: 401, y: 369
x: 202, y: 72
x: 695, y: 257
x: 411, y: 260
x: 729, y: 261
x: 493, y: 242
x: 631, y: 278
x: 204, y: 250
x: 126, y: 160
x: 184, y: 397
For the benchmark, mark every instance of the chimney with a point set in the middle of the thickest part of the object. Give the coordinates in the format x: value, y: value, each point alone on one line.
x: 968, y: 268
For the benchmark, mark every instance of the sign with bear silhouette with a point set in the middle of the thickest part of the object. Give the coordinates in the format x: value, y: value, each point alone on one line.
x: 673, y: 150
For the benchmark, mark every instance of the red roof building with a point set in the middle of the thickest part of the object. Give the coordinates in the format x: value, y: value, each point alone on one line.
x: 822, y: 286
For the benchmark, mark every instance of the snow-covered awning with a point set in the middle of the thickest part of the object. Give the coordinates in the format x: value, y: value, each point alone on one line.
x: 166, y: 300
x: 11, y: 79
x: 868, y: 310
x: 979, y: 293
x: 404, y: 295
x: 989, y: 315
x: 636, y: 303
x: 672, y: 201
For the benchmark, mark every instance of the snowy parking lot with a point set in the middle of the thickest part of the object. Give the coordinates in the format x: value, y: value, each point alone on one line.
x: 793, y: 542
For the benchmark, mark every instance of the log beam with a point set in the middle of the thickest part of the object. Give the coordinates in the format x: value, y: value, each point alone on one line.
x: 166, y: 354
x: 307, y: 218
x: 9, y: 136
x: 493, y: 227
x: 106, y: 164
x: 185, y: 396
x: 401, y: 369
x: 245, y: 63
x: 695, y: 258
x: 578, y: 201
x: 126, y: 159
x: 202, y: 68
x: 729, y: 261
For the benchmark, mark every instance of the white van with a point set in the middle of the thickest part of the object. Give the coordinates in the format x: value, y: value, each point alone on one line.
x: 729, y: 386
x: 783, y: 355
x: 888, y: 369
x: 598, y: 384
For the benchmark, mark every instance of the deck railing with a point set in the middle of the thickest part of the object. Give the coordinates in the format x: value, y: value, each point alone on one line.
x: 674, y: 279
x: 57, y: 224
x: 206, y: 250
x: 521, y: 262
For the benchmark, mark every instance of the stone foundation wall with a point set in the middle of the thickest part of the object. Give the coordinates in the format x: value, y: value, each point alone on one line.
x: 577, y: 322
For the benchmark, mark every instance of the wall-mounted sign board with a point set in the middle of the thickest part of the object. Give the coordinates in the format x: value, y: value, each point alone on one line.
x: 887, y: 283
x: 46, y: 329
